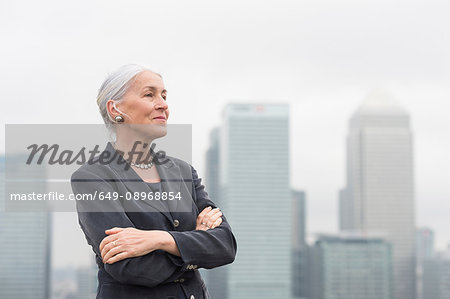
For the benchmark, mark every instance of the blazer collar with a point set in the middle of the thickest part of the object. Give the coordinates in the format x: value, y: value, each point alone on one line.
x: 168, y: 171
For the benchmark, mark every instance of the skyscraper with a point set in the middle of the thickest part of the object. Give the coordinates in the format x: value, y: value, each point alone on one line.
x: 424, y: 252
x: 348, y: 266
x: 298, y: 219
x: 379, y: 195
x: 436, y: 276
x: 256, y: 198
x: 300, y: 265
x: 216, y: 278
x: 25, y: 242
x: 424, y: 244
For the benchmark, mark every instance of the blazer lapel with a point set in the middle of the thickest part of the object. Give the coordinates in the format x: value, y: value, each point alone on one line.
x: 172, y: 177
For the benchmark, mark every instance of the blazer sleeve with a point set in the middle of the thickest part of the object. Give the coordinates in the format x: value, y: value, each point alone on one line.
x: 205, y: 249
x: 149, y: 270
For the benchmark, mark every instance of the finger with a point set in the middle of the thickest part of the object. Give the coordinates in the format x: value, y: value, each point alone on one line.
x: 213, y: 218
x: 202, y: 214
x: 103, y: 244
x: 113, y: 230
x: 217, y: 223
x: 205, y: 221
x: 210, y: 214
x: 118, y: 257
x: 204, y: 226
x: 107, y: 248
x: 107, y: 240
x: 205, y: 210
x: 201, y: 226
x: 112, y: 252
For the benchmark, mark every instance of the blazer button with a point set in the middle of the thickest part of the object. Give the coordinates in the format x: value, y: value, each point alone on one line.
x: 181, y: 279
x: 176, y: 223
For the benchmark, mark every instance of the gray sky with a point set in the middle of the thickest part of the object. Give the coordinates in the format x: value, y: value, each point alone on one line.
x: 322, y: 57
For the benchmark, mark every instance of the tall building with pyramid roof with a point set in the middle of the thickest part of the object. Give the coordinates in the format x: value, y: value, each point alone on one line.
x: 379, y: 196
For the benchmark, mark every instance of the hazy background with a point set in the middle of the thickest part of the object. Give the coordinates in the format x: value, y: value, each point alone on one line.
x: 322, y: 57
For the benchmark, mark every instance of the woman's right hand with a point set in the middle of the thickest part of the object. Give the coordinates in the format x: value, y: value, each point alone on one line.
x: 209, y: 218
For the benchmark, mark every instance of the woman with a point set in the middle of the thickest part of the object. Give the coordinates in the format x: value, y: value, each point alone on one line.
x: 147, y: 248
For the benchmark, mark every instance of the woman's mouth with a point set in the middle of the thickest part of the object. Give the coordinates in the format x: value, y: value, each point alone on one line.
x: 160, y: 118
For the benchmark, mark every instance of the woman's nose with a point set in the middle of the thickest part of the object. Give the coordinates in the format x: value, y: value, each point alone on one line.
x: 161, y: 104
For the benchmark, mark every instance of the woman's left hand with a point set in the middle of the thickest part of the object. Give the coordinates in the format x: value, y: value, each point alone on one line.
x: 122, y: 243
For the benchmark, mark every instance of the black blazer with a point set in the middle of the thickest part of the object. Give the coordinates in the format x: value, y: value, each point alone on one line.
x: 158, y: 274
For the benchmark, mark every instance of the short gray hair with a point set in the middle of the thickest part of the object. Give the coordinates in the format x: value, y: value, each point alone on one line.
x: 114, y: 88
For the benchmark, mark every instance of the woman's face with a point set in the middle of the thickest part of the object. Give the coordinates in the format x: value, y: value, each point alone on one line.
x: 145, y: 101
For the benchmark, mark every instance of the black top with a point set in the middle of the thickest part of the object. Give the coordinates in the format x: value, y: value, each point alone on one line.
x: 156, y: 187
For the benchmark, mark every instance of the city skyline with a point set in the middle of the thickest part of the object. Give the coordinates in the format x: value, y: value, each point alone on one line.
x: 238, y: 126
x: 321, y: 57
x: 81, y: 252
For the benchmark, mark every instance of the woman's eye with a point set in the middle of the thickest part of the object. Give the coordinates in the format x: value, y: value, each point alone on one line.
x: 149, y: 95
x: 164, y: 97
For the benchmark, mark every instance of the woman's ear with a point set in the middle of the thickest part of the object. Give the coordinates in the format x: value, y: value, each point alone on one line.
x: 111, y: 108
x: 114, y: 111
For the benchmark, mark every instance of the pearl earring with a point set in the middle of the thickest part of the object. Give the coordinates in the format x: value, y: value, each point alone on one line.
x: 119, y: 119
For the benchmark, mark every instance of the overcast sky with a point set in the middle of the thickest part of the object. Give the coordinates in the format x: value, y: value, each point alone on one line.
x: 321, y: 57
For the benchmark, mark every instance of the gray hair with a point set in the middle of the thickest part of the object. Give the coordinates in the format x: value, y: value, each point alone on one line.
x: 114, y: 88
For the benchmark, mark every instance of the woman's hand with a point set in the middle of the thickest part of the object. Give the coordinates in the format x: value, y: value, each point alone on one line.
x: 209, y: 218
x: 122, y: 243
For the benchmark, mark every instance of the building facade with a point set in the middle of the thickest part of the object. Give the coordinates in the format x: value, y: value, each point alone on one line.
x: 379, y: 196
x: 216, y: 279
x: 256, y: 197
x: 25, y: 239
x: 424, y: 252
x: 300, y: 272
x: 351, y: 267
x: 436, y: 276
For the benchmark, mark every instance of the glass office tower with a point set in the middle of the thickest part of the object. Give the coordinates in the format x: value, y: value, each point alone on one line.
x: 379, y: 196
x: 24, y: 244
x: 256, y: 198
